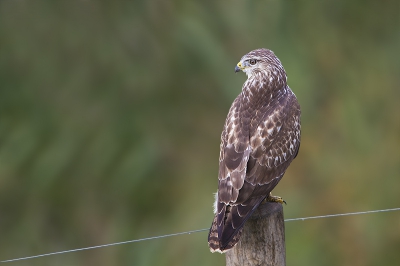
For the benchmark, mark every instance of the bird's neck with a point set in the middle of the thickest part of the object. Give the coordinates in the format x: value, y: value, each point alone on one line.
x: 262, y: 87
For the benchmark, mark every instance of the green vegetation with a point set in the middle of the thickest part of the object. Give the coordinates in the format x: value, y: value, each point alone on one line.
x: 111, y: 114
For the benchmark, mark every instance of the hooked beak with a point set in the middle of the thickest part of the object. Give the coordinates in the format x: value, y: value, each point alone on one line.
x: 238, y: 67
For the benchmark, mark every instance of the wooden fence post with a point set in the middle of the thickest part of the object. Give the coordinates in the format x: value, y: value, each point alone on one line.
x: 263, y: 239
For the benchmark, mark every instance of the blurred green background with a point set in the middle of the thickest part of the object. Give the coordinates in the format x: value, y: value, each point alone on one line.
x: 111, y: 115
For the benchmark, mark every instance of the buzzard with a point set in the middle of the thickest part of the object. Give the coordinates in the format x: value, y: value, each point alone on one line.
x: 261, y: 137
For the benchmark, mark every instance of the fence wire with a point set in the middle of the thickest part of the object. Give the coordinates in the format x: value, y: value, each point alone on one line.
x: 191, y: 232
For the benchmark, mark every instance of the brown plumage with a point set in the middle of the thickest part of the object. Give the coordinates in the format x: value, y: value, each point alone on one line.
x: 260, y: 139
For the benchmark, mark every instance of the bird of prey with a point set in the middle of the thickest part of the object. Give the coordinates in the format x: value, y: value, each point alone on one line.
x: 261, y: 137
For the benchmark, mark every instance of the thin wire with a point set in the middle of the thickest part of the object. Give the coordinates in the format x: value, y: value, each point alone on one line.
x: 194, y: 231
x: 340, y: 214
x: 106, y: 245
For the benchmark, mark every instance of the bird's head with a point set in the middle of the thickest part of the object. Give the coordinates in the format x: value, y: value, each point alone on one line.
x: 261, y: 60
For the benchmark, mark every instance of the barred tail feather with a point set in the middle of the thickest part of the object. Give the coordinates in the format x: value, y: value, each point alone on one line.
x: 214, y: 242
x: 225, y: 236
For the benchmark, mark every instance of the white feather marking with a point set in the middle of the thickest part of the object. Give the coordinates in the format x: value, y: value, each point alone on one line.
x: 270, y: 131
x: 216, y: 202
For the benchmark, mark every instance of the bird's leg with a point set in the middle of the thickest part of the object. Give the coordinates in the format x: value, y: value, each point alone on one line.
x: 277, y: 199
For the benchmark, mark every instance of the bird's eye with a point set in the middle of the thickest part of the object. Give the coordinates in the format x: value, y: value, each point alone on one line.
x: 252, y: 61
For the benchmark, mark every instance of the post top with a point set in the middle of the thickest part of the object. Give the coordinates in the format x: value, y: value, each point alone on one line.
x: 266, y: 209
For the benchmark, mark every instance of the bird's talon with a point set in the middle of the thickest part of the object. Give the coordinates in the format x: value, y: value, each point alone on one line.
x: 277, y: 199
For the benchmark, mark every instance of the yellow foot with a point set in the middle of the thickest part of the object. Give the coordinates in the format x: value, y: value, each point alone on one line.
x: 278, y: 199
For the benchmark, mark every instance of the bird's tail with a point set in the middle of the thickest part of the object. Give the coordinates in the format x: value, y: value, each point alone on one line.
x: 214, y: 242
